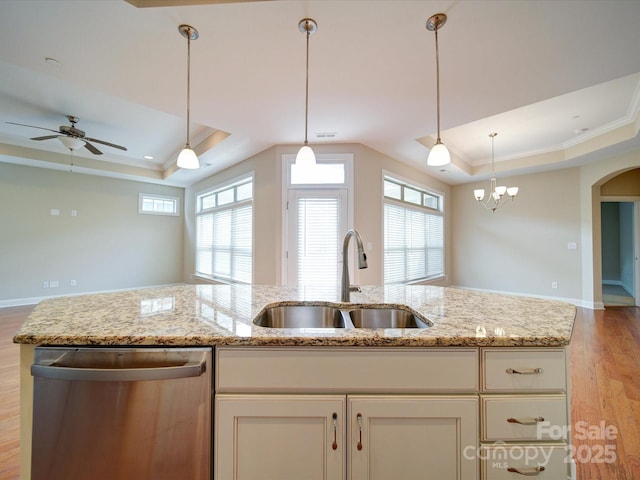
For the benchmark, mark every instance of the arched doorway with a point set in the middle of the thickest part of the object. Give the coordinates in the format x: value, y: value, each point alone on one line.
x: 615, y: 233
x: 619, y: 197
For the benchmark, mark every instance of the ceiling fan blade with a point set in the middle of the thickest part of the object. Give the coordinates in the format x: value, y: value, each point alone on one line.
x: 91, y: 148
x: 32, y: 126
x: 108, y: 144
x: 46, y: 137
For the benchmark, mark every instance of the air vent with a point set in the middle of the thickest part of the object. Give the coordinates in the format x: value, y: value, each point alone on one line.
x: 325, y: 134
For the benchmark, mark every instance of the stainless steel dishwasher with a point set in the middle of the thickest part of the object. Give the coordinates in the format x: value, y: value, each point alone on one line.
x: 121, y: 413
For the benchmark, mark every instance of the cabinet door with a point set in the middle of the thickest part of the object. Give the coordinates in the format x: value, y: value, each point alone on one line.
x: 411, y: 437
x: 276, y: 437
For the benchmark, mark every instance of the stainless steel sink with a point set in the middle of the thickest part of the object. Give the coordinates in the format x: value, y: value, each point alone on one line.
x: 385, y: 317
x: 301, y: 316
x: 327, y: 316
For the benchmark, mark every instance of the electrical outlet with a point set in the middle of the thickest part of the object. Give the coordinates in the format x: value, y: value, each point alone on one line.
x: 554, y: 284
x: 54, y: 284
x: 55, y: 211
x: 73, y: 283
x: 45, y: 284
x: 74, y: 213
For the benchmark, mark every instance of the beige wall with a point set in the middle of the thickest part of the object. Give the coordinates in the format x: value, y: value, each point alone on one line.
x: 368, y: 167
x: 522, y: 247
x: 627, y: 184
x: 107, y: 246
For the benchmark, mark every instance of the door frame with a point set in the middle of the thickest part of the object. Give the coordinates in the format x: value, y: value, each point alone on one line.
x: 287, y: 160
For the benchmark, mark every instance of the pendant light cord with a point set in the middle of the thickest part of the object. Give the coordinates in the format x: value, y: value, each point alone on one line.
x: 188, y: 82
x: 306, y: 99
x: 437, y: 85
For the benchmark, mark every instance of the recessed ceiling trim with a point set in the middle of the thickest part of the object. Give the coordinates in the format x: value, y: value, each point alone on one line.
x: 183, y: 3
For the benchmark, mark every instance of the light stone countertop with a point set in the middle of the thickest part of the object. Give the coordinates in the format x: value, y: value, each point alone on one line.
x: 186, y: 315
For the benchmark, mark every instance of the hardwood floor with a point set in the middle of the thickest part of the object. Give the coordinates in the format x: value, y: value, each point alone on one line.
x: 604, y: 365
x: 605, y: 400
x: 10, y: 320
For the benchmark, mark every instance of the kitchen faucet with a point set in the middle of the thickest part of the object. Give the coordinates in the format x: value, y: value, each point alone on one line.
x: 362, y: 263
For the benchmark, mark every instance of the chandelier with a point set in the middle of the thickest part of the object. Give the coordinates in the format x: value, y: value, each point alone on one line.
x: 496, y: 197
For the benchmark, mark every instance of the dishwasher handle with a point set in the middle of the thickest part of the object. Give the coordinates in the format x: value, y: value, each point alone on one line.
x: 192, y: 369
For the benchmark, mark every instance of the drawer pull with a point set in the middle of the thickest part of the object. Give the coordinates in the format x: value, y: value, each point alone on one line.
x: 533, y: 421
x: 533, y: 472
x: 359, y: 419
x: 524, y: 371
x: 334, y: 445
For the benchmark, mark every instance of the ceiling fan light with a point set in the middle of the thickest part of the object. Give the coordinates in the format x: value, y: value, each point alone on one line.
x: 439, y: 155
x: 305, y: 157
x: 188, y: 159
x: 72, y: 143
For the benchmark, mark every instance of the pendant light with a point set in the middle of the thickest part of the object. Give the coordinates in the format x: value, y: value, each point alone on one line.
x: 439, y: 154
x: 305, y: 156
x: 496, y: 193
x: 188, y: 158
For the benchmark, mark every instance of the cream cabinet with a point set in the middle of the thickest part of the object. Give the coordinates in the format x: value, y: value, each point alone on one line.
x: 378, y: 413
x: 273, y: 437
x: 411, y: 437
x: 524, y: 411
x: 346, y: 413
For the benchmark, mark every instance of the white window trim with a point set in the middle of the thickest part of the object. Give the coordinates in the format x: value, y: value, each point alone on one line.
x: 287, y: 160
x: 216, y: 188
x: 442, y: 211
x: 154, y: 196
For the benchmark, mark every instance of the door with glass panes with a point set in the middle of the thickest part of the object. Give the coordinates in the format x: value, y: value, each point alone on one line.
x: 317, y: 221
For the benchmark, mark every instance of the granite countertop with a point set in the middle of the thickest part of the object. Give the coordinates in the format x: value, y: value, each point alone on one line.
x: 185, y: 315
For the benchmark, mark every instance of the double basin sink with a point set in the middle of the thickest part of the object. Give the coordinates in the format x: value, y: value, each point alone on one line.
x: 327, y: 316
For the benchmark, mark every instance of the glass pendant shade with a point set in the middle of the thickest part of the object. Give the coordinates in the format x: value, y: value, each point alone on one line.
x: 305, y: 157
x: 479, y: 193
x: 501, y: 190
x: 188, y: 159
x: 439, y: 155
x: 72, y: 143
x: 512, y: 191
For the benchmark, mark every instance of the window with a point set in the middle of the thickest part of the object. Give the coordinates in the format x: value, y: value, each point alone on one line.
x: 224, y: 232
x: 413, y: 233
x: 158, y: 204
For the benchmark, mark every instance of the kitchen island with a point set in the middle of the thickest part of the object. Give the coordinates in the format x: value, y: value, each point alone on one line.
x: 485, y: 375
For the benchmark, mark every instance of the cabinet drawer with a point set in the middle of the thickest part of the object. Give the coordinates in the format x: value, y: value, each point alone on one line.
x: 353, y: 370
x: 505, y: 370
x: 542, y: 462
x: 524, y: 418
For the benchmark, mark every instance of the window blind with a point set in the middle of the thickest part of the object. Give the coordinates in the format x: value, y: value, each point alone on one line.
x: 224, y: 234
x: 318, y: 223
x: 413, y: 244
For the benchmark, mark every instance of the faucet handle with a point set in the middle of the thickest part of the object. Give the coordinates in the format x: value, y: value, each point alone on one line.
x: 355, y: 288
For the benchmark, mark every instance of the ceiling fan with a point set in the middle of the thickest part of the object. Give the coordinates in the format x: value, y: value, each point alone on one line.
x: 72, y: 137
